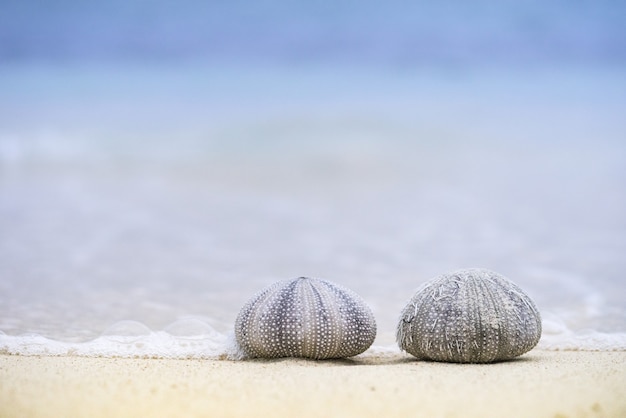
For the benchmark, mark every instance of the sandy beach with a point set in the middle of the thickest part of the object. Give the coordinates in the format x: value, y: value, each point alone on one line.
x: 539, y: 384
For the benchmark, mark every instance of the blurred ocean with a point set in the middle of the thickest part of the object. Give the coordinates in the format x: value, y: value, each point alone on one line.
x: 160, y: 162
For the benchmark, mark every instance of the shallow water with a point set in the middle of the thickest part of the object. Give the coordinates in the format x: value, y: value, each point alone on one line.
x: 141, y: 208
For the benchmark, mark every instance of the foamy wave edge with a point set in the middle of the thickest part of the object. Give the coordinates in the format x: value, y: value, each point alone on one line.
x: 213, y: 345
x: 188, y: 338
x: 557, y: 336
x: 158, y: 344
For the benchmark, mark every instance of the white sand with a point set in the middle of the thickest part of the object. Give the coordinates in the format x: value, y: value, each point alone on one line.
x: 539, y: 384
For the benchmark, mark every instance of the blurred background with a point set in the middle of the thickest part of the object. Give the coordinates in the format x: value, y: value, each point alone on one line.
x: 164, y: 159
x: 399, y: 34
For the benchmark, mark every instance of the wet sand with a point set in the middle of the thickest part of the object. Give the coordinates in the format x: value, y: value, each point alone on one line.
x: 539, y: 384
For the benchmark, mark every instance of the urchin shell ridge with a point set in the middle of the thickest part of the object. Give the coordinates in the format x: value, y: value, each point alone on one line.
x: 469, y: 316
x: 305, y: 317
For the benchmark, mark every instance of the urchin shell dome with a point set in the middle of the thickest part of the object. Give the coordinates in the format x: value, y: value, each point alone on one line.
x: 469, y: 316
x: 306, y: 318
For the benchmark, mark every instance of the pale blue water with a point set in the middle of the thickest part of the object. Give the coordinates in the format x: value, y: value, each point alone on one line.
x: 449, y: 33
x: 160, y: 164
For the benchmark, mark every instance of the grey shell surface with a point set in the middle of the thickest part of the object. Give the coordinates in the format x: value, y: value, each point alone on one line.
x: 306, y: 318
x: 469, y: 316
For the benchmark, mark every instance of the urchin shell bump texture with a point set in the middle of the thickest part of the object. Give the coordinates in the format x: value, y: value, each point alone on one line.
x: 469, y: 316
x: 306, y: 318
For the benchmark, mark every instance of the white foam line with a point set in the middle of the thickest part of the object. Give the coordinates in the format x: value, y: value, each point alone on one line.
x: 158, y: 344
x: 568, y: 340
x: 193, y: 338
x: 163, y: 345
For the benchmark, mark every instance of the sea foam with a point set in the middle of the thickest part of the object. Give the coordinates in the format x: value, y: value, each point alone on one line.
x: 557, y: 335
x: 132, y: 340
x: 195, y: 339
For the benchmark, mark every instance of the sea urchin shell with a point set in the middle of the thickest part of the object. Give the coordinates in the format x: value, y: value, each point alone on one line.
x: 469, y: 316
x: 307, y: 318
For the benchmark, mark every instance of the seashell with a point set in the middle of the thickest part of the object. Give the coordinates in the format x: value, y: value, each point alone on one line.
x: 307, y: 318
x: 469, y: 316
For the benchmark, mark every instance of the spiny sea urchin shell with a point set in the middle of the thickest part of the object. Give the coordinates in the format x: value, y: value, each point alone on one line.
x: 469, y: 316
x: 305, y: 317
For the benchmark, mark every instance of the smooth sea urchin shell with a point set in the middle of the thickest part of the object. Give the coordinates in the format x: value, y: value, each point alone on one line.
x: 469, y: 316
x: 305, y: 317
